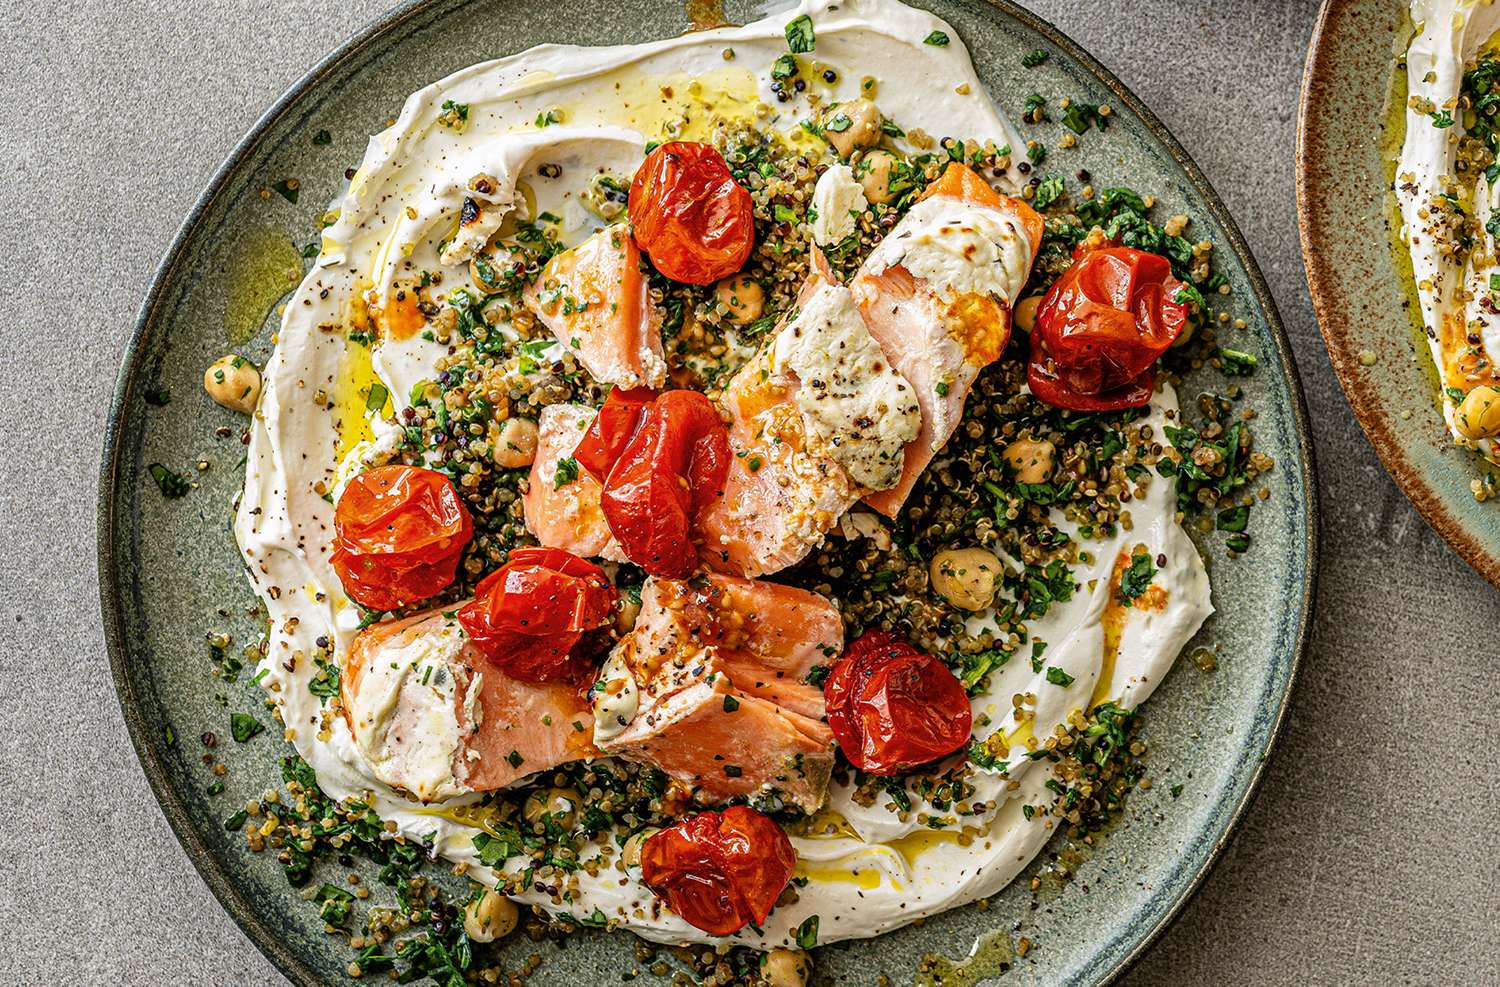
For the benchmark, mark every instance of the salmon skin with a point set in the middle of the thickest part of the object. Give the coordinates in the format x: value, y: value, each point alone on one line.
x: 435, y: 719
x: 937, y: 293
x: 710, y: 686
x: 564, y: 512
x: 595, y: 300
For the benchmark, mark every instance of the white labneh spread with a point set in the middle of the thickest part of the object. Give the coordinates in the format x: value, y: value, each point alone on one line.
x: 837, y: 199
x: 856, y: 406
x: 873, y: 870
x: 1460, y: 308
x: 960, y: 248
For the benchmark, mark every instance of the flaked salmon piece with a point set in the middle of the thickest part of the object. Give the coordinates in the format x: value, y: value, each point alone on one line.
x: 596, y: 301
x: 783, y: 492
x: 725, y: 744
x: 714, y: 676
x: 937, y: 293
x: 432, y: 718
x: 566, y: 514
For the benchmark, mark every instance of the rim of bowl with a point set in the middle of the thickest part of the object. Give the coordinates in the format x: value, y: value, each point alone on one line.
x: 1322, y: 280
x: 229, y: 894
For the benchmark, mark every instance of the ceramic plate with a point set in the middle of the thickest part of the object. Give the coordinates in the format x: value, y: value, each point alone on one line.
x: 170, y: 575
x: 1347, y: 142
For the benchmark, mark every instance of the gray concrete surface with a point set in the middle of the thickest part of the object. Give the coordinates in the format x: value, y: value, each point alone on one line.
x: 1369, y: 856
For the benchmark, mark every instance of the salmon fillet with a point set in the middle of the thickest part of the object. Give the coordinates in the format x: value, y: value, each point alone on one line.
x: 595, y: 300
x: 434, y: 718
x: 566, y: 516
x: 940, y: 330
x: 719, y: 666
x: 780, y: 495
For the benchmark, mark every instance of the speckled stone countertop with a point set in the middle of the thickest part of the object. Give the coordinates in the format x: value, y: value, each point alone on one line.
x: 1369, y: 856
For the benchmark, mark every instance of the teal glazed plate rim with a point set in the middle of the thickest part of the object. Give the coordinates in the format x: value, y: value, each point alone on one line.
x: 165, y: 567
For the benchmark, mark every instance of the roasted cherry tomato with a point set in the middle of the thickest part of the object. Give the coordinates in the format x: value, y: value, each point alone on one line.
x: 892, y: 708
x: 1101, y: 327
x: 719, y: 870
x: 612, y: 429
x: 689, y: 215
x: 528, y: 615
x: 671, y: 469
x: 398, y: 534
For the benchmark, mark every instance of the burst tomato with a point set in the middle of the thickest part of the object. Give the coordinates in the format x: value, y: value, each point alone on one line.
x: 689, y: 214
x: 528, y: 615
x: 720, y: 870
x: 1101, y: 327
x: 612, y: 429
x: 398, y: 534
x: 671, y: 469
x: 891, y: 708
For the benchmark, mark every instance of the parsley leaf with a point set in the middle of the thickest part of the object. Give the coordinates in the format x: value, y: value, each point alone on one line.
x: 243, y: 726
x: 799, y: 34
x: 172, y: 485
x: 1136, y: 578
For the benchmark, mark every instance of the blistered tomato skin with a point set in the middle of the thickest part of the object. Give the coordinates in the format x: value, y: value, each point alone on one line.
x: 612, y: 429
x: 672, y: 468
x: 892, y: 708
x: 399, y: 532
x: 720, y: 871
x: 528, y: 616
x: 1101, y: 328
x: 689, y: 215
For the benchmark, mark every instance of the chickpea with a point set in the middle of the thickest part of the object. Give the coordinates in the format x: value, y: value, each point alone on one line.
x: 515, y: 444
x: 785, y: 968
x: 493, y: 916
x: 628, y: 612
x: 1478, y: 417
x: 560, y: 805
x: 1024, y: 315
x: 631, y: 851
x: 1031, y: 459
x: 966, y: 577
x: 233, y: 382
x: 858, y: 125
x: 742, y: 297
x: 486, y: 271
x: 874, y: 174
x: 1189, y: 328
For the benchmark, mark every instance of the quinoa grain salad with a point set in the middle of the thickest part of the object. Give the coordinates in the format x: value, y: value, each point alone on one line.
x: 726, y: 490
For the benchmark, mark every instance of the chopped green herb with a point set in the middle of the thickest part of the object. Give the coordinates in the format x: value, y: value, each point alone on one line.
x: 1237, y: 363
x: 1441, y: 119
x: 243, y: 726
x: 454, y: 115
x: 807, y: 932
x: 784, y: 67
x: 1057, y: 676
x: 1035, y: 57
x: 731, y: 704
x: 1048, y: 192
x: 172, y: 485
x: 799, y: 34
x: 1136, y: 578
x: 377, y: 397
x: 567, y: 472
x: 1234, y: 519
x: 937, y: 39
